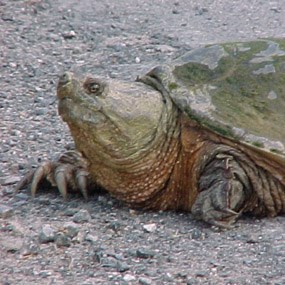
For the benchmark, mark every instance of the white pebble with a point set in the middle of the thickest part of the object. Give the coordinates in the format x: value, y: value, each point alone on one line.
x: 129, y: 278
x: 150, y: 228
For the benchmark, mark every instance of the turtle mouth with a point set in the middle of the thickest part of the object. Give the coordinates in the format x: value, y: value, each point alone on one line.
x: 64, y: 79
x: 66, y: 86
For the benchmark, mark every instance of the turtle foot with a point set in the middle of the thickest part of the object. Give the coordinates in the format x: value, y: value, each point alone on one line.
x: 208, y: 208
x: 224, y: 188
x: 68, y: 172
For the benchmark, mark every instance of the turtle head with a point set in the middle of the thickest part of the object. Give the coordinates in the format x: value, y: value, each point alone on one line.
x: 117, y: 116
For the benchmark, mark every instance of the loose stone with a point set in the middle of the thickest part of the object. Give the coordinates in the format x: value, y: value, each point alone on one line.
x: 197, y: 234
x: 129, y: 278
x: 91, y: 238
x: 10, y: 180
x: 122, y: 266
x: 71, y: 229
x: 82, y: 216
x: 62, y: 239
x: 144, y: 253
x: 150, y: 228
x: 47, y: 234
x: 145, y: 281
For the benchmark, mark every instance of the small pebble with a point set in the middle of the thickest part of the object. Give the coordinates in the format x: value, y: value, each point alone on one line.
x: 82, y: 216
x: 191, y: 281
x: 12, y: 245
x: 22, y: 196
x: 45, y: 273
x: 13, y: 64
x: 253, y: 238
x: 144, y: 253
x: 70, y: 229
x: 47, y: 234
x: 150, y: 228
x: 40, y: 111
x: 91, y: 238
x: 69, y: 35
x: 110, y: 262
x: 70, y: 212
x: 10, y: 180
x: 80, y: 237
x: 122, y: 266
x: 168, y: 277
x: 197, y: 234
x: 182, y: 274
x: 62, y: 239
x: 145, y: 281
x: 129, y: 278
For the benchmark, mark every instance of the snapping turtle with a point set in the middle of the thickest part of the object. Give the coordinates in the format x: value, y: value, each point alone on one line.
x: 203, y: 134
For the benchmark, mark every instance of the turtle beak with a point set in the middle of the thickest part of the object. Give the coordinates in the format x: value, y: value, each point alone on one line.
x: 65, y: 85
x: 64, y: 79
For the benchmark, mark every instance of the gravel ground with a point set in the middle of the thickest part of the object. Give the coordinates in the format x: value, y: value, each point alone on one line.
x: 46, y: 241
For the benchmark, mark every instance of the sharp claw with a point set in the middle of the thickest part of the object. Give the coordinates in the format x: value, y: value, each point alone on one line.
x: 39, y: 174
x: 232, y: 212
x: 222, y: 224
x: 81, y: 179
x: 27, y: 179
x: 226, y: 221
x: 60, y: 179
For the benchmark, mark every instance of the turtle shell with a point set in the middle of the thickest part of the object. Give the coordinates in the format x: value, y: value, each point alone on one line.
x: 235, y: 89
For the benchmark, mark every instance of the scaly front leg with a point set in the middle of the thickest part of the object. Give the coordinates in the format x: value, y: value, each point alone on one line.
x: 68, y: 172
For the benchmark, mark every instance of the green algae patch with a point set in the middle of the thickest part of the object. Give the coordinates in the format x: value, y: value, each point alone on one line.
x: 172, y: 86
x: 245, y: 90
x: 258, y: 144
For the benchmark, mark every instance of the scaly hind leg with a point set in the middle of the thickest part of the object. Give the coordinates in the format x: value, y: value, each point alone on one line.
x: 223, y: 190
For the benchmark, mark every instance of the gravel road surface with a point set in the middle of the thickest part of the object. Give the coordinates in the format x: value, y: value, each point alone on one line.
x: 48, y: 241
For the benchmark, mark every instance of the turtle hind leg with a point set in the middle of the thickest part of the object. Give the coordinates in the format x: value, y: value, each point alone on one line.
x: 223, y: 190
x: 68, y: 172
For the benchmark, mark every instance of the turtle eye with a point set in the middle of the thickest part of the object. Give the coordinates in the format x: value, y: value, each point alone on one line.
x: 93, y: 86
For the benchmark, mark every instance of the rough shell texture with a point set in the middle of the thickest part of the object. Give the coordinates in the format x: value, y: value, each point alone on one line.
x: 235, y: 89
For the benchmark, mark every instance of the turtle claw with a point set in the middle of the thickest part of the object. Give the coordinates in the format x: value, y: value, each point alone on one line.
x: 81, y: 178
x: 27, y: 179
x: 231, y: 212
x: 221, y: 224
x: 39, y: 174
x: 61, y: 177
x: 224, y: 219
x: 65, y: 174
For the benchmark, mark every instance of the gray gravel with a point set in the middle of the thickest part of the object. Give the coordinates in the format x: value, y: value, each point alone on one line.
x: 48, y: 241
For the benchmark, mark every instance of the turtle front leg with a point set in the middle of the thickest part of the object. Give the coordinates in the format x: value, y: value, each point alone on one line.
x: 68, y: 172
x: 223, y: 190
